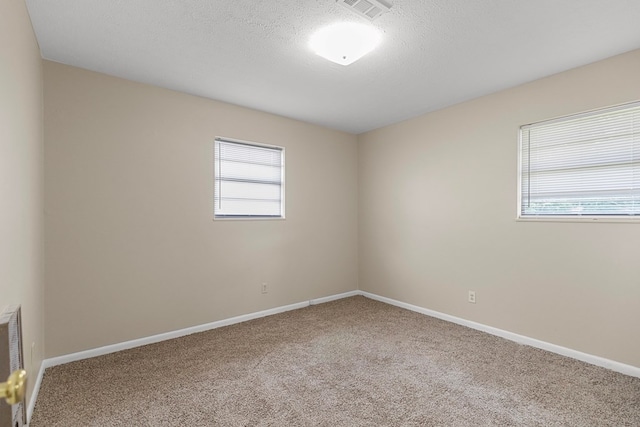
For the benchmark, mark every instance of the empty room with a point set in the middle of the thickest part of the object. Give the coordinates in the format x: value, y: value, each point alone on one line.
x: 319, y: 213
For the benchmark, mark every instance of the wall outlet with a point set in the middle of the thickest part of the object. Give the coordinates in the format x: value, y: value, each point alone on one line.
x: 263, y: 288
x: 472, y: 297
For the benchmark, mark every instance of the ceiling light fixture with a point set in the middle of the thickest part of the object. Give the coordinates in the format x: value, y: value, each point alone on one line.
x: 345, y: 43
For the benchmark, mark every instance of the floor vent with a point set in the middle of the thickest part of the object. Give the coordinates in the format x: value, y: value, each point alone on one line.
x: 369, y: 9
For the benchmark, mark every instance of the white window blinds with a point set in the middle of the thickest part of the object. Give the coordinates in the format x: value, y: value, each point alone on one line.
x: 249, y: 180
x: 582, y: 165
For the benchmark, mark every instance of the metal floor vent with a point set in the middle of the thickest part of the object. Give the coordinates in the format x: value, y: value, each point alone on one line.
x: 369, y: 9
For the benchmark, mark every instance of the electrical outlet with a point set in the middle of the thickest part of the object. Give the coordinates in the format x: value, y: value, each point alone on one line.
x: 472, y: 297
x: 264, y: 288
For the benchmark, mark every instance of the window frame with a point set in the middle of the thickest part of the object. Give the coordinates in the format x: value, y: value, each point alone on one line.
x: 282, y: 181
x: 576, y: 217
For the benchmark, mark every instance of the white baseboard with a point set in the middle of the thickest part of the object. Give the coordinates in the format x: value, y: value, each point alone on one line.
x: 334, y: 297
x: 553, y: 348
x: 588, y: 358
x: 34, y: 395
x: 100, y: 351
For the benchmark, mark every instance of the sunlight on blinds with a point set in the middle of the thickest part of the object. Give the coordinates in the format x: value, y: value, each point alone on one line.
x: 249, y: 180
x: 582, y: 165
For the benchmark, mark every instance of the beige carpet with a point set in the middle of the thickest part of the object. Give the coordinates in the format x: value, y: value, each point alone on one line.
x: 352, y: 362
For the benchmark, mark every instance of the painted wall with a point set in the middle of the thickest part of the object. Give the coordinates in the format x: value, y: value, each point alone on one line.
x: 21, y: 178
x: 131, y: 247
x: 437, y: 196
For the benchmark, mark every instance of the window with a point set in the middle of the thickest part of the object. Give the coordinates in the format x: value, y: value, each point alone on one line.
x: 249, y: 180
x: 585, y: 165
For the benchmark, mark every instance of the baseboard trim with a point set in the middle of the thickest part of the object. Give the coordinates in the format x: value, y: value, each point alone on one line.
x: 334, y: 297
x: 34, y: 395
x: 100, y: 351
x: 521, y: 339
x: 553, y: 348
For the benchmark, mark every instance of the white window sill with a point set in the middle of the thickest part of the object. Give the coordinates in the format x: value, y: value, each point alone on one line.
x: 591, y: 219
x: 249, y: 219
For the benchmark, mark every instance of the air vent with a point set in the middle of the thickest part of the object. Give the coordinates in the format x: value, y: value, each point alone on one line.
x: 369, y: 9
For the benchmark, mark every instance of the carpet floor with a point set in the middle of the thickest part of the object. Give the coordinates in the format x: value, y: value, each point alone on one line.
x: 351, y: 362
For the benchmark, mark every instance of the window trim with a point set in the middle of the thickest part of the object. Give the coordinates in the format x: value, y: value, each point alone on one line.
x: 568, y: 218
x: 282, y: 180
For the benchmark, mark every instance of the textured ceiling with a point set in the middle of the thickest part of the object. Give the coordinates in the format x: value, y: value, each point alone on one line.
x: 434, y: 53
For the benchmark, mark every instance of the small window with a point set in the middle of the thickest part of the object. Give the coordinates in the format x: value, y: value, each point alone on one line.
x: 586, y: 165
x: 249, y: 180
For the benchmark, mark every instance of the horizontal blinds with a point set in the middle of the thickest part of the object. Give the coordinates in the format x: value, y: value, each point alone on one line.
x: 248, y: 180
x: 587, y: 164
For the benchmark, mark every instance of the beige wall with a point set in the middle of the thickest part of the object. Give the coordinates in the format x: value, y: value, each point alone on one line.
x: 438, y: 206
x: 21, y: 185
x: 131, y: 247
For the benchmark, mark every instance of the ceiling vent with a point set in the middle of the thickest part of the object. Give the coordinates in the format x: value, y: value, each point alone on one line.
x: 369, y: 9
